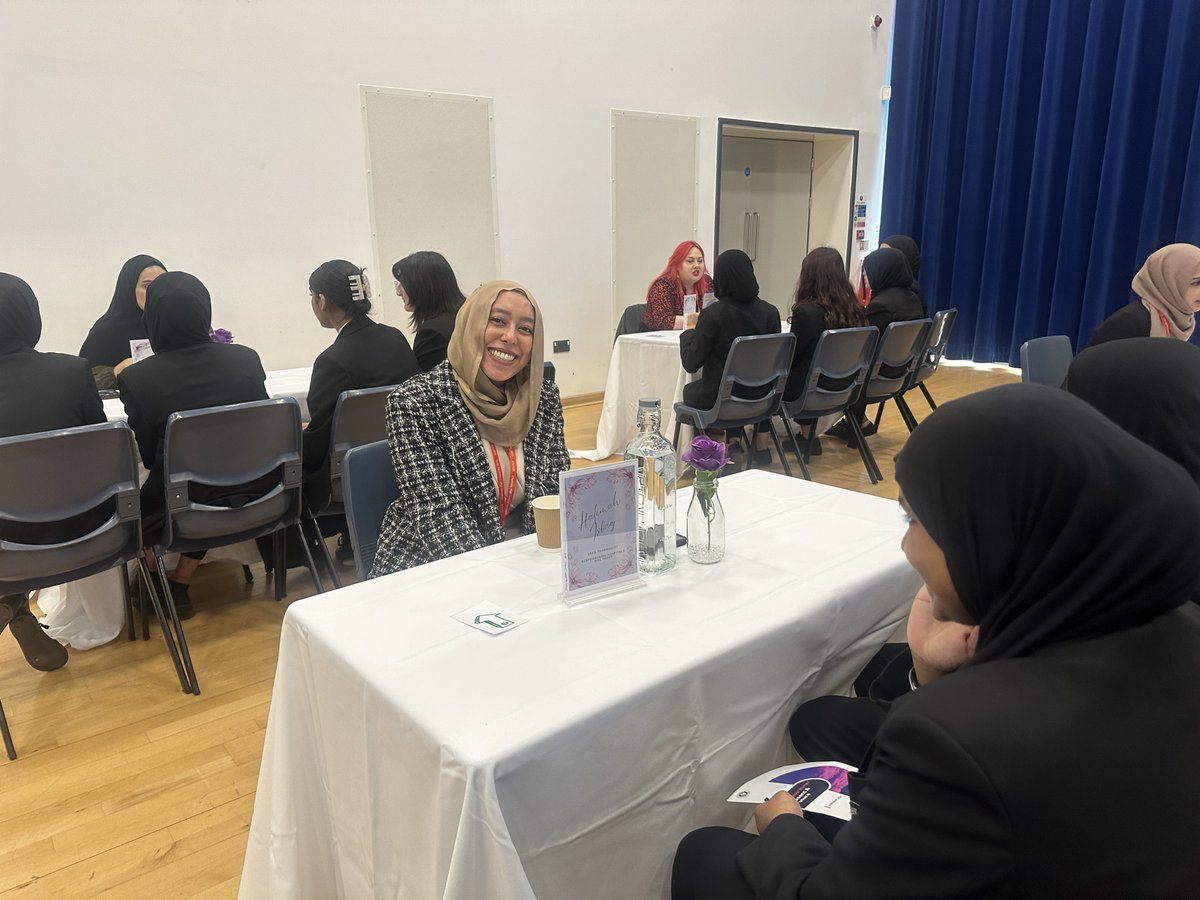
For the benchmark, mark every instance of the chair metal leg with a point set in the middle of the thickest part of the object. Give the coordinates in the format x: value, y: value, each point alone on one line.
x: 748, y: 444
x: 279, y: 545
x: 193, y: 686
x: 863, y: 450
x: 312, y: 569
x: 787, y: 423
x: 168, y: 637
x: 248, y: 575
x: 315, y: 527
x: 8, y: 743
x: 906, y: 413
x: 129, y: 614
x: 928, y: 396
x: 787, y: 470
x: 879, y: 414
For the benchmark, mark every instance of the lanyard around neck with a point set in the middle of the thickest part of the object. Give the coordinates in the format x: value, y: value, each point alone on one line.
x: 1165, y: 323
x: 505, y: 497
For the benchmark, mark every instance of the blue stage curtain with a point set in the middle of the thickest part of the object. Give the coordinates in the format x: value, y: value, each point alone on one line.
x: 1038, y: 151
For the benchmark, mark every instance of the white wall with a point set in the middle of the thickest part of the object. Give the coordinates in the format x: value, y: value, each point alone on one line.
x: 226, y: 136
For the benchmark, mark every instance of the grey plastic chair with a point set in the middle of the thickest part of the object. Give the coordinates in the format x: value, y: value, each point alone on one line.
x: 836, y: 375
x: 633, y: 321
x: 896, y: 358
x: 226, y: 446
x: 548, y: 371
x: 757, y: 361
x: 930, y: 359
x: 369, y: 488
x: 66, y: 476
x: 1045, y: 360
x: 358, y: 418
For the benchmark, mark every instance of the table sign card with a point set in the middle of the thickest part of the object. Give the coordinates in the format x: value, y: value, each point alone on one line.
x: 489, y: 618
x: 599, y: 530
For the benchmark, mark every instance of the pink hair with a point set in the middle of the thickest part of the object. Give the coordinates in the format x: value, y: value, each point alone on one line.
x: 671, y: 272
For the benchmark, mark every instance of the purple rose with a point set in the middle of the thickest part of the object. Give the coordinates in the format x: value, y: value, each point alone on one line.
x: 706, y: 455
x: 221, y: 336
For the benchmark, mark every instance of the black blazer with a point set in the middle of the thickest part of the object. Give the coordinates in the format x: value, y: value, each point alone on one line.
x: 894, y: 304
x: 365, y: 354
x: 808, y: 324
x: 707, y: 345
x: 432, y: 338
x: 46, y: 391
x: 1127, y: 322
x: 1069, y: 773
x: 194, y: 377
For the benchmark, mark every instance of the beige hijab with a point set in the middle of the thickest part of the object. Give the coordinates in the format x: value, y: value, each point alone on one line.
x: 503, y: 412
x: 1161, y: 284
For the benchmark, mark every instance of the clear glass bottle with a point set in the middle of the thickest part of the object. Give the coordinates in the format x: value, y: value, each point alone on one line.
x: 705, y: 523
x: 656, y: 490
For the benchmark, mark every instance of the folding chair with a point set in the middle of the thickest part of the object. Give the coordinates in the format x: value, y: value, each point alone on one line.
x: 358, y: 418
x: 836, y: 375
x: 1045, y: 360
x: 71, y: 478
x: 930, y: 359
x: 757, y: 361
x: 896, y: 357
x: 369, y: 488
x: 227, y: 446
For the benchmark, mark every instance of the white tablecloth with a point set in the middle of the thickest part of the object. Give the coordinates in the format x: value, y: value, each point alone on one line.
x: 642, y: 365
x: 280, y: 383
x: 408, y: 755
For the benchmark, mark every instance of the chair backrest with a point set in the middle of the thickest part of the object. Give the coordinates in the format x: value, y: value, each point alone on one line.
x: 839, y: 367
x: 896, y: 357
x: 939, y: 337
x: 226, y: 446
x: 1045, y: 360
x: 369, y: 488
x: 754, y: 361
x: 62, y: 475
x: 547, y: 371
x: 633, y: 321
x: 359, y: 418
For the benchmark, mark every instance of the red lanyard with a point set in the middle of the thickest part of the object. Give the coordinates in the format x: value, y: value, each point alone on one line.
x: 506, y: 498
x: 1165, y: 324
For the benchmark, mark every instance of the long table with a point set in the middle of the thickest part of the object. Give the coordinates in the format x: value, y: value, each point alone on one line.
x: 408, y: 755
x: 280, y: 383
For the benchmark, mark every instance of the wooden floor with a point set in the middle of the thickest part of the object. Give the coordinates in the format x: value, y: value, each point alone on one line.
x: 125, y: 787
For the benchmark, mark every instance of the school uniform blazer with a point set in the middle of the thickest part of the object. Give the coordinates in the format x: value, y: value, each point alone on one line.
x: 432, y: 339
x: 364, y: 354
x: 448, y: 503
x: 195, y: 377
x: 1129, y: 321
x: 707, y: 345
x: 46, y: 391
x: 1068, y: 773
x: 894, y: 304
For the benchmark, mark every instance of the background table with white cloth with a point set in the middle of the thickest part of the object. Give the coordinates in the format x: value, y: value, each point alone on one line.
x: 91, y: 611
x: 409, y: 755
x: 642, y: 365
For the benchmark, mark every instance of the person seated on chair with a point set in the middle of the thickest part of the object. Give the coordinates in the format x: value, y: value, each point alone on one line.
x: 189, y: 370
x: 429, y: 289
x: 824, y: 299
x: 740, y: 313
x: 365, y: 354
x: 39, y: 392
x: 1168, y: 291
x: 1088, y: 656
x: 912, y: 256
x: 685, y: 274
x: 474, y: 437
x: 106, y: 347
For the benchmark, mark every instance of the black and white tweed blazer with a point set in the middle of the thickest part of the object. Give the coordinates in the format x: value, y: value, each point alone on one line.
x: 447, y: 502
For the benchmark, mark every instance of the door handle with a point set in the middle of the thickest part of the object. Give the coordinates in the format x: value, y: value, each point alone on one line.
x: 746, y: 232
x: 754, y: 252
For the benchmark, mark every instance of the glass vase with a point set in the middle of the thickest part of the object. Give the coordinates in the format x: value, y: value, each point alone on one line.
x: 705, y: 523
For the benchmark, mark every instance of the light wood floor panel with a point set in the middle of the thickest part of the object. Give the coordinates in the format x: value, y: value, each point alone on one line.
x: 127, y: 788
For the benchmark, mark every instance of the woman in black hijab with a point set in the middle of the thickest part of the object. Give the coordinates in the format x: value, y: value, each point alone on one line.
x: 1149, y: 387
x: 38, y: 392
x: 1073, y: 549
x: 912, y: 255
x: 189, y: 370
x: 741, y: 312
x: 892, y: 295
x: 106, y: 347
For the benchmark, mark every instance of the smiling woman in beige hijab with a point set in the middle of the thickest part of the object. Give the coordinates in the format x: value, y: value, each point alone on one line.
x: 474, y: 437
x: 1168, y: 289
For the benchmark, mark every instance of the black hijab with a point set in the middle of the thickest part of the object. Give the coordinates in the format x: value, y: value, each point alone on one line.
x: 20, y: 319
x: 887, y: 268
x: 912, y: 256
x: 733, y: 277
x: 178, y: 312
x: 1056, y: 524
x: 1148, y: 386
x: 108, y: 342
